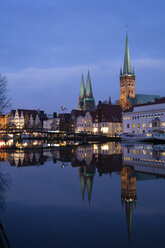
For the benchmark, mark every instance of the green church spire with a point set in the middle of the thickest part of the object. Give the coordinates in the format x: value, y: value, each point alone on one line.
x: 129, y: 214
x: 82, y: 89
x: 127, y: 62
x: 89, y: 93
x: 83, y: 184
x: 121, y: 71
x: 89, y: 187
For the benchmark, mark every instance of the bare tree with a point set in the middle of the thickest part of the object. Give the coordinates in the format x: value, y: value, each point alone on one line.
x: 5, y: 101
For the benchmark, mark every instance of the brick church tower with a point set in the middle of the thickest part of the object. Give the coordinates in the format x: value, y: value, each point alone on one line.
x: 127, y: 80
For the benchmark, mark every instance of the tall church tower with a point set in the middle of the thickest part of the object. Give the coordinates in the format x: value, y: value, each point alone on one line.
x: 127, y: 80
x: 86, y: 99
x: 82, y: 95
x: 89, y: 99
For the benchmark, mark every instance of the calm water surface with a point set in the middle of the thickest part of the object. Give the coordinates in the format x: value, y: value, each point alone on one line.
x: 97, y: 196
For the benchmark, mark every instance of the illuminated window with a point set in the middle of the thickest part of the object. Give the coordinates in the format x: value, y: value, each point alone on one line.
x: 163, y: 124
x: 150, y: 125
x: 144, y: 125
x: 138, y: 151
x: 138, y: 125
x: 133, y: 125
x: 134, y: 151
x: 161, y: 115
x: 144, y: 152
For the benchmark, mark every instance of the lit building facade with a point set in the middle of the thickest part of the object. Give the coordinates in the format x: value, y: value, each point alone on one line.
x: 23, y: 118
x: 84, y: 123
x: 105, y: 120
x: 51, y: 124
x: 108, y: 119
x: 3, y: 121
x: 145, y: 118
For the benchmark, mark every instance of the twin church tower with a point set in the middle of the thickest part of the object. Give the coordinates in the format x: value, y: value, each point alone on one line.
x: 86, y: 100
x: 127, y: 87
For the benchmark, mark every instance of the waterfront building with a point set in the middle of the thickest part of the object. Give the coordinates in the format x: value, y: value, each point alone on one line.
x: 108, y: 119
x: 74, y: 115
x: 25, y: 118
x: 51, y: 124
x: 145, y: 118
x: 128, y: 97
x: 86, y: 99
x: 65, y: 120
x: 84, y: 122
x: 105, y: 120
x: 3, y: 121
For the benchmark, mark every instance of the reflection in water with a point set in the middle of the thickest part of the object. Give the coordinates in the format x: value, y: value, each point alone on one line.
x: 128, y: 194
x: 86, y: 179
x: 132, y: 162
x: 4, y: 185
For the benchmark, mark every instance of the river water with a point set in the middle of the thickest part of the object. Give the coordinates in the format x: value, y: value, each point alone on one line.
x: 106, y: 195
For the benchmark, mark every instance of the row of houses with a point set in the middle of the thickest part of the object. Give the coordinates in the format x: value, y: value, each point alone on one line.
x: 23, y: 118
x: 107, y: 119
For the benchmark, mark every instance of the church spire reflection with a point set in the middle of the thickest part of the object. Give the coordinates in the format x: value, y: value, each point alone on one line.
x: 128, y: 194
x: 86, y: 174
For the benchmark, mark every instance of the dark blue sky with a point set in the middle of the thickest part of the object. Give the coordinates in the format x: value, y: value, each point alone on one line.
x: 46, y: 45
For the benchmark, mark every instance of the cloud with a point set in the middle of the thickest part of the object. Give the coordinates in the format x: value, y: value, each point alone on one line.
x: 32, y: 78
x: 50, y: 88
x: 150, y: 63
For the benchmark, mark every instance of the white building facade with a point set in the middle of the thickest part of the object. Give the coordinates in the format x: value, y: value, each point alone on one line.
x: 108, y: 128
x: 51, y: 124
x: 144, y: 118
x: 84, y: 123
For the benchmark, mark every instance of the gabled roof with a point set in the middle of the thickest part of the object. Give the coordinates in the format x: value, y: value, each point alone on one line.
x: 108, y: 113
x: 29, y: 112
x: 75, y: 113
